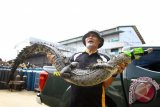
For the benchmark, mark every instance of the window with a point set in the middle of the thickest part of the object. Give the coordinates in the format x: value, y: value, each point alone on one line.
x: 114, y: 40
x: 150, y: 61
x: 115, y: 51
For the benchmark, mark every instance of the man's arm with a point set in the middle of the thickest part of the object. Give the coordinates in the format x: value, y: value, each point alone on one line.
x: 121, y: 67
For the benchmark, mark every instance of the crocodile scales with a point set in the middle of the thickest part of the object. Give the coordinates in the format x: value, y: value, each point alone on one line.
x: 93, y: 75
x: 38, y: 48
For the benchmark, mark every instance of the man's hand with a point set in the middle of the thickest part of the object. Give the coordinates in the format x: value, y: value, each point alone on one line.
x: 121, y: 67
x: 66, y: 71
x: 51, y: 58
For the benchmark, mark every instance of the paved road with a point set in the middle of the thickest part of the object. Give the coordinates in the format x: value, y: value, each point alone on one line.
x: 19, y: 99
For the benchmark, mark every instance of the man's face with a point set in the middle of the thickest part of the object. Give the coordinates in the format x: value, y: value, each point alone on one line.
x: 92, y: 41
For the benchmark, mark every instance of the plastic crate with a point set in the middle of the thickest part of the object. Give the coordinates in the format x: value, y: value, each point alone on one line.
x: 36, y: 83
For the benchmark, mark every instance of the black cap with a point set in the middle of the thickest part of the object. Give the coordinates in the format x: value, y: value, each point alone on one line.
x: 97, y: 33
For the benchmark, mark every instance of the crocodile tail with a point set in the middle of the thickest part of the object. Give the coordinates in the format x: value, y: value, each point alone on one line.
x: 39, y: 48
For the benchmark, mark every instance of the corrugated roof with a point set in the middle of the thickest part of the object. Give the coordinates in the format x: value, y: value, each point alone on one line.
x: 105, y: 33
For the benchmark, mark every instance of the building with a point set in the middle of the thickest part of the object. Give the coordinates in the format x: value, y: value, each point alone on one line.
x: 114, y: 39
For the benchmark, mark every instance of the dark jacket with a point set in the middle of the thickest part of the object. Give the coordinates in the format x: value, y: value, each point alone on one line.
x: 90, y: 96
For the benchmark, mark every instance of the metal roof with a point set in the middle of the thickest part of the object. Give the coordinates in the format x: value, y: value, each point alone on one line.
x: 104, y: 33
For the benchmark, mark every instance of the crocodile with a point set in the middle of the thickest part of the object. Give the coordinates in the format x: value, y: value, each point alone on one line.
x: 39, y: 48
x: 101, y: 71
x: 69, y: 71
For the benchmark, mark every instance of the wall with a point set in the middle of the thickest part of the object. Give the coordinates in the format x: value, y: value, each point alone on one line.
x: 129, y: 37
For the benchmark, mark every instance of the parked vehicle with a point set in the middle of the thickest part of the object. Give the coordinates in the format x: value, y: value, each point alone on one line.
x: 49, y: 69
x: 137, y: 86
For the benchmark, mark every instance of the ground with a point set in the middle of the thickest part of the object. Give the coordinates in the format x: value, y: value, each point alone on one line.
x: 22, y: 98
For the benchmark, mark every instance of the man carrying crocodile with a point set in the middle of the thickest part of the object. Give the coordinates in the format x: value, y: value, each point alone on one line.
x: 86, y: 71
x: 90, y: 96
x: 90, y: 72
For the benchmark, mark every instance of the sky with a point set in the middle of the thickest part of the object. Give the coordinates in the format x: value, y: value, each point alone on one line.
x: 57, y: 20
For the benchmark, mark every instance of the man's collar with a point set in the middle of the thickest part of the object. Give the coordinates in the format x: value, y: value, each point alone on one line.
x: 90, y: 52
